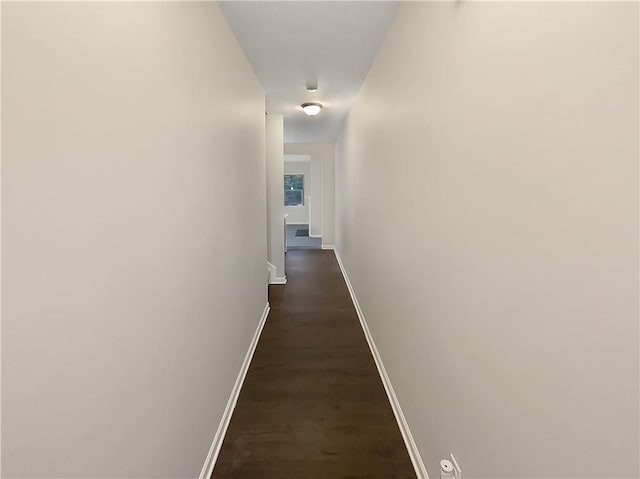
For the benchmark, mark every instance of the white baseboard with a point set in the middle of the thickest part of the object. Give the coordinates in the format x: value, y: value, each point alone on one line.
x: 330, y: 246
x: 273, y: 275
x: 412, y: 448
x: 210, y: 461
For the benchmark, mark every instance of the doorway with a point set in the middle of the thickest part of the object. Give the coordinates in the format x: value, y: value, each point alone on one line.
x: 299, y: 203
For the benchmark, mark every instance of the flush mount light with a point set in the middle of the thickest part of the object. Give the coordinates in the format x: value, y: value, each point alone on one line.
x: 311, y: 109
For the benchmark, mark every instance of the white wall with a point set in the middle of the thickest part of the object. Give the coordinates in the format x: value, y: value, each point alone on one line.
x: 322, y: 161
x: 131, y: 290
x: 275, y: 195
x: 315, y: 206
x: 328, y: 194
x: 487, y: 202
x: 299, y: 215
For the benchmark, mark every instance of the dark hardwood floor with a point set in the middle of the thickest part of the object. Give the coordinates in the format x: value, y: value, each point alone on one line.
x: 312, y: 405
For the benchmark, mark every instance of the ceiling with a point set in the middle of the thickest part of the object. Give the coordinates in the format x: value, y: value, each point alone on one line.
x: 290, y: 44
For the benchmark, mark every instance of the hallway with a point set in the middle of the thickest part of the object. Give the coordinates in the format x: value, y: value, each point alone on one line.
x: 313, y: 405
x: 320, y: 239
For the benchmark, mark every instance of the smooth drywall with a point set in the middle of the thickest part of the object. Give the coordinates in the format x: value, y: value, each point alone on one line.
x: 322, y: 164
x: 315, y: 207
x: 275, y: 194
x: 299, y: 215
x: 328, y: 194
x: 134, y: 235
x: 487, y: 210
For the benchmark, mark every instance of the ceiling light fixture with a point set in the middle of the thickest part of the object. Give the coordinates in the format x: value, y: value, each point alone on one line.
x: 311, y: 109
x: 312, y: 87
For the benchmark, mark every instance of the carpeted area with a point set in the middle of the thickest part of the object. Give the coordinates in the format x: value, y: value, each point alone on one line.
x: 296, y: 241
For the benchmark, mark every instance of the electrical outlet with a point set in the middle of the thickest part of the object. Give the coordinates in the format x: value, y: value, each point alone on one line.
x: 449, y: 469
x: 446, y: 469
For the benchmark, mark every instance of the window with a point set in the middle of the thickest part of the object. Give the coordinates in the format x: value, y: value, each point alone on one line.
x: 294, y: 190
